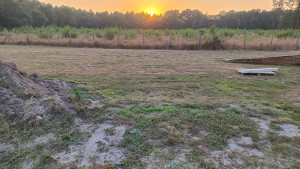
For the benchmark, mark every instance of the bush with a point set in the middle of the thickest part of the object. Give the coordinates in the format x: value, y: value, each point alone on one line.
x: 149, y: 33
x: 289, y: 33
x: 189, y: 34
x: 158, y: 34
x: 167, y: 32
x: 43, y: 35
x: 65, y: 32
x: 227, y: 33
x: 132, y: 34
x: 214, y: 42
x: 4, y: 30
x: 109, y: 34
x: 99, y: 34
x: 23, y: 29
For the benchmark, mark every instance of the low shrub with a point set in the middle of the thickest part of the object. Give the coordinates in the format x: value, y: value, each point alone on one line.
x: 109, y: 34
x: 289, y: 33
x: 99, y: 34
x: 214, y: 42
x: 43, y: 35
x: 132, y: 34
x: 66, y: 31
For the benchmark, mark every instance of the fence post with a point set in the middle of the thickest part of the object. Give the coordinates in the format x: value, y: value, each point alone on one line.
x: 200, y: 40
x: 271, y: 41
x: 93, y: 38
x: 8, y: 37
x: 171, y: 39
x: 48, y: 38
x: 70, y: 38
x: 118, y: 39
x: 27, y: 37
x: 143, y: 40
x: 5, y: 38
x: 245, y: 40
x: 297, y: 45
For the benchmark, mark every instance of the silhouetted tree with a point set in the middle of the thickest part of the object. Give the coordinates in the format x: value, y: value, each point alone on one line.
x: 16, y: 13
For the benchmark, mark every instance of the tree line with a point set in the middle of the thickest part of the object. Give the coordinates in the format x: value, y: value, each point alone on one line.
x: 17, y: 13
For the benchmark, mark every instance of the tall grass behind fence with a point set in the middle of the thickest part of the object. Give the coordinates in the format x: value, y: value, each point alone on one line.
x: 154, y: 39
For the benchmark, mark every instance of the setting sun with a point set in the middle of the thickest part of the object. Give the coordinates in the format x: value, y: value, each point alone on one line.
x: 151, y: 13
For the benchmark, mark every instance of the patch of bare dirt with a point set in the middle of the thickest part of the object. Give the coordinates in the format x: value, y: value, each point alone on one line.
x: 168, y: 158
x: 6, y: 148
x: 43, y: 139
x: 289, y: 130
x: 101, y: 148
x: 264, y: 125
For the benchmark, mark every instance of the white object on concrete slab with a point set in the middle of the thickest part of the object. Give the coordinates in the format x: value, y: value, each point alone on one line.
x: 245, y: 71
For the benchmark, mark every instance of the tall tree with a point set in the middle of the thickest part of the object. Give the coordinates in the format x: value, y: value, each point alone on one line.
x: 38, y: 18
x: 170, y: 19
x: 297, y: 18
x: 13, y: 15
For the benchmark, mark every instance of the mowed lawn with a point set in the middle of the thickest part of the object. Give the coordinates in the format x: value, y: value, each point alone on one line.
x: 178, y: 103
x: 200, y: 78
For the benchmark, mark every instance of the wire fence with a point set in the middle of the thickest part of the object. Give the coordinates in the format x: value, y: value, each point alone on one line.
x: 140, y: 41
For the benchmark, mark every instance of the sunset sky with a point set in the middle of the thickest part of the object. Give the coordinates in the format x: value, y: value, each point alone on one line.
x: 161, y: 6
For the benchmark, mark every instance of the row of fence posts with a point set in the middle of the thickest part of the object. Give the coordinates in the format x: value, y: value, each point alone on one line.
x: 8, y: 39
x: 271, y: 42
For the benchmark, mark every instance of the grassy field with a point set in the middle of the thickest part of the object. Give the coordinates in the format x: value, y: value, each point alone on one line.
x: 174, y: 104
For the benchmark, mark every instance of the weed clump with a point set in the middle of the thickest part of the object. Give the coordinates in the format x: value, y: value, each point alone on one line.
x: 45, y: 159
x: 99, y: 34
x: 214, y: 42
x: 109, y: 34
x: 67, y: 31
x: 43, y: 35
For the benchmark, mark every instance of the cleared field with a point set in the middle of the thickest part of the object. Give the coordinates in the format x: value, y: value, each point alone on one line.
x: 178, y: 107
x: 157, y: 76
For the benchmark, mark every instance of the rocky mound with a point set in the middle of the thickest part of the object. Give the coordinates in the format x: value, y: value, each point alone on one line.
x: 22, y: 97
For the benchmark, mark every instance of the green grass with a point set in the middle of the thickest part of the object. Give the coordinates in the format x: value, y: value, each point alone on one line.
x: 167, y: 125
x: 25, y: 131
x: 163, y: 111
x: 198, y: 156
x: 259, y: 91
x: 28, y: 129
x: 96, y: 115
x: 13, y: 159
x: 136, y: 143
x: 45, y: 161
x: 286, y: 151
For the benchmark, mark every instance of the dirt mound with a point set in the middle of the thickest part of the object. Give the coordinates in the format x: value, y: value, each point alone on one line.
x: 10, y: 105
x: 21, y: 96
x: 282, y: 60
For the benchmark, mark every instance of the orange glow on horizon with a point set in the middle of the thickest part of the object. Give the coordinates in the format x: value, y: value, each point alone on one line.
x: 161, y: 6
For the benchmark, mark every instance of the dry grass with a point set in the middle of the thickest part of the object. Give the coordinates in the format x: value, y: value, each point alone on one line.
x: 178, y: 42
x: 130, y: 76
x: 261, y: 43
